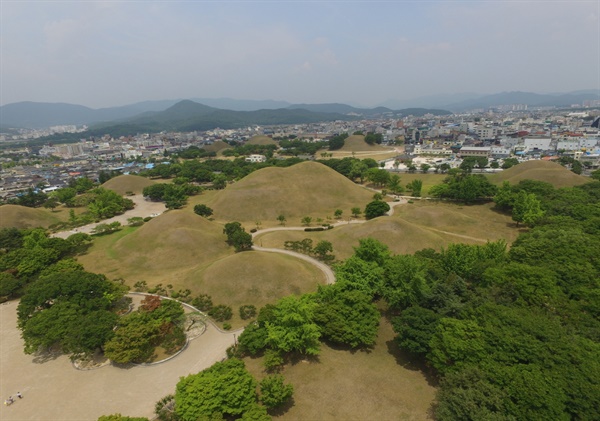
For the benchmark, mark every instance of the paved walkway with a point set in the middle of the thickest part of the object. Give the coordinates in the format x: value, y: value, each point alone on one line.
x: 55, y: 391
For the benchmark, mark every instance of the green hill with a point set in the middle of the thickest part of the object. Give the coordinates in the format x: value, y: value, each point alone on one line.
x: 356, y: 143
x: 261, y: 140
x: 305, y: 189
x: 539, y: 170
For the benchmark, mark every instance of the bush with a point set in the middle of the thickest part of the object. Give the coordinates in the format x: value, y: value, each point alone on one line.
x: 203, y: 302
x: 247, y: 311
x: 273, y: 392
x: 272, y: 360
x: 221, y: 313
x: 227, y: 326
x: 314, y: 229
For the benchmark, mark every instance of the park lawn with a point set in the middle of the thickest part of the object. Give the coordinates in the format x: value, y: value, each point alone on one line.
x: 381, y: 384
x: 429, y: 180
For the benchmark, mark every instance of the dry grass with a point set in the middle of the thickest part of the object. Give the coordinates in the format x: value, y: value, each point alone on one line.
x: 261, y: 140
x: 413, y: 227
x: 343, y: 385
x: 217, y: 146
x: 308, y: 188
x: 23, y: 217
x: 356, y: 143
x: 547, y: 171
x: 128, y: 183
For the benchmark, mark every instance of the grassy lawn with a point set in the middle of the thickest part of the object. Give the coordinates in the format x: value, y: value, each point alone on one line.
x: 342, y: 385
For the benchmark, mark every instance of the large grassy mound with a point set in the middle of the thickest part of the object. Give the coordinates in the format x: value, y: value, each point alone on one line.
x: 547, y: 171
x: 308, y: 188
x: 23, y: 217
x: 128, y: 183
x: 261, y: 140
x: 356, y: 143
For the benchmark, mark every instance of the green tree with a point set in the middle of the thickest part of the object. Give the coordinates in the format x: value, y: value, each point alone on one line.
x: 378, y: 176
x: 282, y: 219
x: 346, y: 317
x: 415, y: 328
x: 338, y: 213
x: 425, y: 168
x: 526, y: 208
x: 415, y: 187
x: 509, y: 162
x: 247, y: 311
x: 322, y: 249
x: 376, y: 208
x: 221, y: 313
x: 292, y: 328
x: 203, y: 210
x: 225, y: 388
x: 51, y: 203
x: 356, y: 212
x: 394, y: 184
x: 306, y: 221
x: 274, y: 392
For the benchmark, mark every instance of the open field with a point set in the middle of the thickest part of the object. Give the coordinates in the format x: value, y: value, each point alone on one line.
x: 341, y: 385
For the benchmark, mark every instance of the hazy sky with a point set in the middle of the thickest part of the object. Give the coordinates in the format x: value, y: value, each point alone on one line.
x: 119, y: 52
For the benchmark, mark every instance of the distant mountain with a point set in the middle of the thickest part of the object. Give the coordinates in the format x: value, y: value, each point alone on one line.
x: 37, y: 115
x: 430, y: 101
x: 242, y: 104
x: 340, y: 108
x: 190, y: 116
x: 528, y: 98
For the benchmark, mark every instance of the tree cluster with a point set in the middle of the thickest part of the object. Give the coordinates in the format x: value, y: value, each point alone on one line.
x: 464, y: 187
x: 237, y: 236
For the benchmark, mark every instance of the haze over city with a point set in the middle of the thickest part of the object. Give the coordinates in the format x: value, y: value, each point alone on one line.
x: 102, y: 54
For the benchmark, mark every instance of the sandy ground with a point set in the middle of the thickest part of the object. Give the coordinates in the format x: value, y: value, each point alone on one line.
x: 143, y: 208
x: 53, y: 390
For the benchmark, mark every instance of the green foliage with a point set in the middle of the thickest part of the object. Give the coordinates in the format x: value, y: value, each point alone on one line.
x: 247, y: 311
x: 337, y: 142
x: 273, y: 391
x: 221, y: 313
x: 379, y: 177
x: 509, y: 162
x: 119, y: 417
x: 415, y: 327
x: 415, y: 187
x: 292, y: 328
x: 253, y: 339
x: 526, y: 208
x: 322, y: 250
x: 346, y: 316
x: 255, y: 412
x: 203, y: 302
x: 376, y: 208
x: 464, y: 187
x: 203, y: 210
x: 355, y: 212
x: 237, y: 236
x: 225, y: 388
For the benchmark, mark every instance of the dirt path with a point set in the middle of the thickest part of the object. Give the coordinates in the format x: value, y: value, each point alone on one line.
x: 143, y: 208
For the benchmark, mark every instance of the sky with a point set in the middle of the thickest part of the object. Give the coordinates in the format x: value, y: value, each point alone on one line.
x: 111, y: 53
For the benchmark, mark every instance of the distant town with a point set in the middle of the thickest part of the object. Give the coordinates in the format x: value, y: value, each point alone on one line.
x: 510, y: 131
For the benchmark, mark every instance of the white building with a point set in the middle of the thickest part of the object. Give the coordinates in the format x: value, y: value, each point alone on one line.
x: 256, y: 158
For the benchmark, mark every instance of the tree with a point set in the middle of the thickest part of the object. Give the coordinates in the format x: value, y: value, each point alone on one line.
x: 281, y: 218
x: 51, y: 203
x: 247, y: 311
x: 526, y: 208
x: 338, y: 213
x: 226, y: 388
x: 346, y: 317
x: 291, y: 328
x: 306, y: 221
x: 509, y: 162
x: 337, y: 142
x: 219, y: 182
x: 378, y: 176
x: 415, y: 187
x: 221, y: 313
x: 425, y: 168
x: 415, y: 327
x: 203, y: 210
x: 376, y: 208
x: 322, y: 249
x: 273, y: 391
x: 394, y: 185
x: 242, y: 241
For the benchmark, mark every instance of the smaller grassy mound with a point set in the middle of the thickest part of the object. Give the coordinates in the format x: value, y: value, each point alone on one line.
x: 261, y: 140
x: 128, y: 183
x: 256, y: 278
x: 217, y: 146
x: 539, y: 170
x: 23, y: 217
x: 356, y: 143
x: 162, y: 250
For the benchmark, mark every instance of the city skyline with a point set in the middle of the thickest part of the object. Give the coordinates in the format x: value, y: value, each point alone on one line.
x: 102, y: 54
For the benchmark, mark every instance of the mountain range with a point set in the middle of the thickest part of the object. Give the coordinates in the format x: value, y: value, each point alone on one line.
x: 207, y: 113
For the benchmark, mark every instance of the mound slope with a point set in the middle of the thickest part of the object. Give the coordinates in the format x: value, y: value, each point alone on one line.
x: 547, y: 171
x: 261, y: 140
x: 308, y: 188
x: 356, y: 143
x: 217, y: 146
x: 128, y: 183
x: 23, y: 217
x: 162, y: 250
